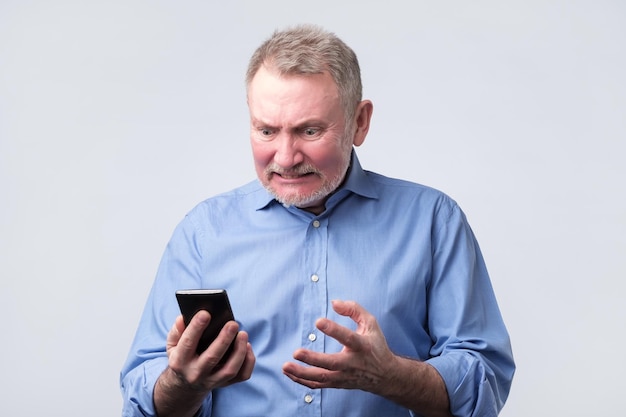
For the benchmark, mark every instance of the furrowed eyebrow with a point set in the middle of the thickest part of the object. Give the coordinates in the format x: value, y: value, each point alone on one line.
x: 304, y: 124
x: 257, y: 122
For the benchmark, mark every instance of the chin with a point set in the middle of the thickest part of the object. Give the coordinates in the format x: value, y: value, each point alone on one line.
x: 298, y: 200
x: 303, y: 198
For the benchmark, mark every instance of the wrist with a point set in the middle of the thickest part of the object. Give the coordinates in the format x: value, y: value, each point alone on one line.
x: 177, y: 382
x: 399, y: 378
x: 174, y: 396
x: 417, y: 386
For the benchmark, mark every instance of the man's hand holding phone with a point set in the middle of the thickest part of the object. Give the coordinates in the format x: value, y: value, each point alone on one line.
x: 190, y: 376
x: 215, y: 366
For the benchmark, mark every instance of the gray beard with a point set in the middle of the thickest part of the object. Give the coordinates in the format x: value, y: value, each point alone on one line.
x: 302, y: 200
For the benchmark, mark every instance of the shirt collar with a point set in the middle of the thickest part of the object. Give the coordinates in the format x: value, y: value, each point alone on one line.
x: 357, y: 182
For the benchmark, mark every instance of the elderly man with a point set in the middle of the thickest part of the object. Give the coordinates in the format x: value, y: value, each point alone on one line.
x: 355, y: 294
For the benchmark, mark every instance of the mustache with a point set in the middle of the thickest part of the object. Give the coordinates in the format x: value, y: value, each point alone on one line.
x: 301, y: 169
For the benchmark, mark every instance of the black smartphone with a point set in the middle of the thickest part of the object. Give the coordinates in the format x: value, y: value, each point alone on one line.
x: 216, y: 303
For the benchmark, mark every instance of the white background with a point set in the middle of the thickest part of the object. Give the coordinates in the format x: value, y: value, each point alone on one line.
x: 117, y: 117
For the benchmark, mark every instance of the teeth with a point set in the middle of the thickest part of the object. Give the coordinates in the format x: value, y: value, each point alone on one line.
x: 292, y: 176
x: 289, y: 176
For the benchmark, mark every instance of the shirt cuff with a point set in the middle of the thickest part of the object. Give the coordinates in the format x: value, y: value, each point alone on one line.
x: 469, y: 390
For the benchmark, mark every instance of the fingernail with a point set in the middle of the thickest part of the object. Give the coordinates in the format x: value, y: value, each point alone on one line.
x: 202, y: 319
x: 322, y: 324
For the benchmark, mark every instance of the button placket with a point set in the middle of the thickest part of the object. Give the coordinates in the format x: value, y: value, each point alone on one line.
x: 315, y: 258
x: 314, y: 305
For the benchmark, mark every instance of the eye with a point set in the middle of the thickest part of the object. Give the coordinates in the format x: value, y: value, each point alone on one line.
x: 265, y: 133
x: 310, y: 133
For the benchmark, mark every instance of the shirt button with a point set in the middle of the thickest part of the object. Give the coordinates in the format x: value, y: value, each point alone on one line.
x: 316, y: 223
x: 315, y: 278
x: 308, y: 398
x: 312, y: 337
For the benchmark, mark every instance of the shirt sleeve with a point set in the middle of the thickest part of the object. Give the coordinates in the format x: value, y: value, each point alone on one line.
x: 471, y: 349
x: 180, y: 268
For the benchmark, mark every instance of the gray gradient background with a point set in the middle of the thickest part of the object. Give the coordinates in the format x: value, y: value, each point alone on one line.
x: 117, y: 117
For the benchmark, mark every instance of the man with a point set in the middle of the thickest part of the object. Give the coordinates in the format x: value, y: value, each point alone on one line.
x: 355, y: 294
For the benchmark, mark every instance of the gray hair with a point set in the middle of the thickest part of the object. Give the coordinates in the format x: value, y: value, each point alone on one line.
x: 309, y: 49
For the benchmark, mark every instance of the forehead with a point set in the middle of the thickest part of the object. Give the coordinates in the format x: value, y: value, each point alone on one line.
x: 271, y: 95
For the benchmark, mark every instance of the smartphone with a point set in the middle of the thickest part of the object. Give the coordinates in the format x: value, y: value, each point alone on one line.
x: 216, y: 303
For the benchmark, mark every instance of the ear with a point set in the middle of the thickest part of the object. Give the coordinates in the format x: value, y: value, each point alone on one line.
x: 362, y: 116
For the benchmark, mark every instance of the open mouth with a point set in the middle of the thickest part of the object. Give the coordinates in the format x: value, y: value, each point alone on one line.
x: 293, y: 176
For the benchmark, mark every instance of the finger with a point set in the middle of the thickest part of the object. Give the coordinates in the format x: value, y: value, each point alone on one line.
x: 366, y: 322
x: 180, y: 324
x: 175, y: 332
x: 218, y: 349
x: 238, y: 367
x: 248, y: 363
x: 329, y: 361
x: 310, y: 376
x: 347, y: 337
x: 349, y: 309
x: 246, y: 367
x: 191, y: 335
x: 306, y: 382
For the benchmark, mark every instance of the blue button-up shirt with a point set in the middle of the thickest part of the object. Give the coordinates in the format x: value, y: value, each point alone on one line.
x: 403, y: 251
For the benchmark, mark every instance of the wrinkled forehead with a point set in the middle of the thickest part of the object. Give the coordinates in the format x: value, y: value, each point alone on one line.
x: 291, y: 99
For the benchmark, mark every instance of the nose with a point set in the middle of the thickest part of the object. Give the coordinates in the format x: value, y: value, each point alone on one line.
x: 287, y: 153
